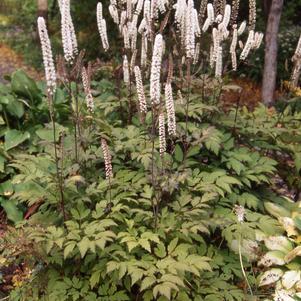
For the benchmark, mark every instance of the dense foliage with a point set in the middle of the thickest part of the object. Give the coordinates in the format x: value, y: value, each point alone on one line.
x: 112, y: 245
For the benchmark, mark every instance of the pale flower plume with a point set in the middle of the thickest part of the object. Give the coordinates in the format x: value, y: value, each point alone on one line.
x: 49, y: 68
x: 169, y: 104
x: 126, y: 72
x: 107, y: 159
x: 140, y: 90
x: 102, y: 27
x: 68, y: 33
x: 162, y: 137
x: 87, y: 89
x: 156, y: 70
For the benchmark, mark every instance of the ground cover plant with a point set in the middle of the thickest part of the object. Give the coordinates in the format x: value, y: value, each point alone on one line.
x: 138, y: 185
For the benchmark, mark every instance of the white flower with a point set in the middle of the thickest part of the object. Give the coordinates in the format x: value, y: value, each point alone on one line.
x: 190, y: 29
x: 126, y: 73
x: 227, y: 15
x: 196, y: 53
x: 240, y: 213
x: 219, y: 62
x: 50, y: 74
x: 107, y: 159
x: 248, y: 45
x: 146, y: 10
x: 258, y: 37
x: 210, y: 13
x: 102, y: 27
x: 197, y: 28
x: 156, y: 70
x: 242, y: 28
x: 129, y: 9
x: 86, y: 85
x: 140, y: 90
x: 162, y: 139
x: 142, y: 26
x: 68, y: 33
x: 233, y: 48
x: 154, y: 9
x: 252, y: 14
x: 170, y: 109
x: 139, y: 7
x: 114, y: 13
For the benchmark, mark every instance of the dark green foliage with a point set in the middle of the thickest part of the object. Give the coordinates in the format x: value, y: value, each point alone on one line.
x: 112, y: 245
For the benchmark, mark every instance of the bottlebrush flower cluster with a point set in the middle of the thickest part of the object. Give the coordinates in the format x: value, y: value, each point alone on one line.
x: 102, y: 27
x: 107, y: 159
x: 50, y: 74
x: 87, y: 89
x: 68, y: 33
x: 155, y: 33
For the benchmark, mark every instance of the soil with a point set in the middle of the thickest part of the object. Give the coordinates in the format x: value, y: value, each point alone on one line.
x: 11, y: 61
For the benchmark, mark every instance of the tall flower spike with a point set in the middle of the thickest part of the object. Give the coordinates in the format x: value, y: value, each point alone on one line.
x: 107, y: 159
x: 219, y: 62
x: 196, y: 54
x: 210, y: 17
x: 252, y: 14
x: 50, y: 74
x: 154, y: 9
x: 227, y: 16
x: 122, y: 20
x: 140, y: 90
x: 162, y: 138
x: 190, y: 30
x: 102, y: 27
x: 235, y: 10
x: 87, y: 89
x: 170, y: 109
x: 242, y: 28
x: 142, y: 26
x: 248, y: 46
x: 210, y: 12
x: 126, y: 73
x: 114, y: 13
x: 139, y: 7
x: 129, y: 8
x: 161, y: 6
x: 197, y: 28
x: 202, y: 10
x: 258, y: 37
x: 156, y: 70
x: 233, y: 48
x: 133, y: 61
x: 68, y: 33
x: 216, y: 42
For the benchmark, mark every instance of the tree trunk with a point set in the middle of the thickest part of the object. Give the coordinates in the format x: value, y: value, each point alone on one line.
x: 271, y: 49
x: 43, y: 9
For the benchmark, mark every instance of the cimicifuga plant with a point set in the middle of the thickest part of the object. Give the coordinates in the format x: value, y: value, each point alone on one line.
x: 50, y: 75
x: 197, y: 37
